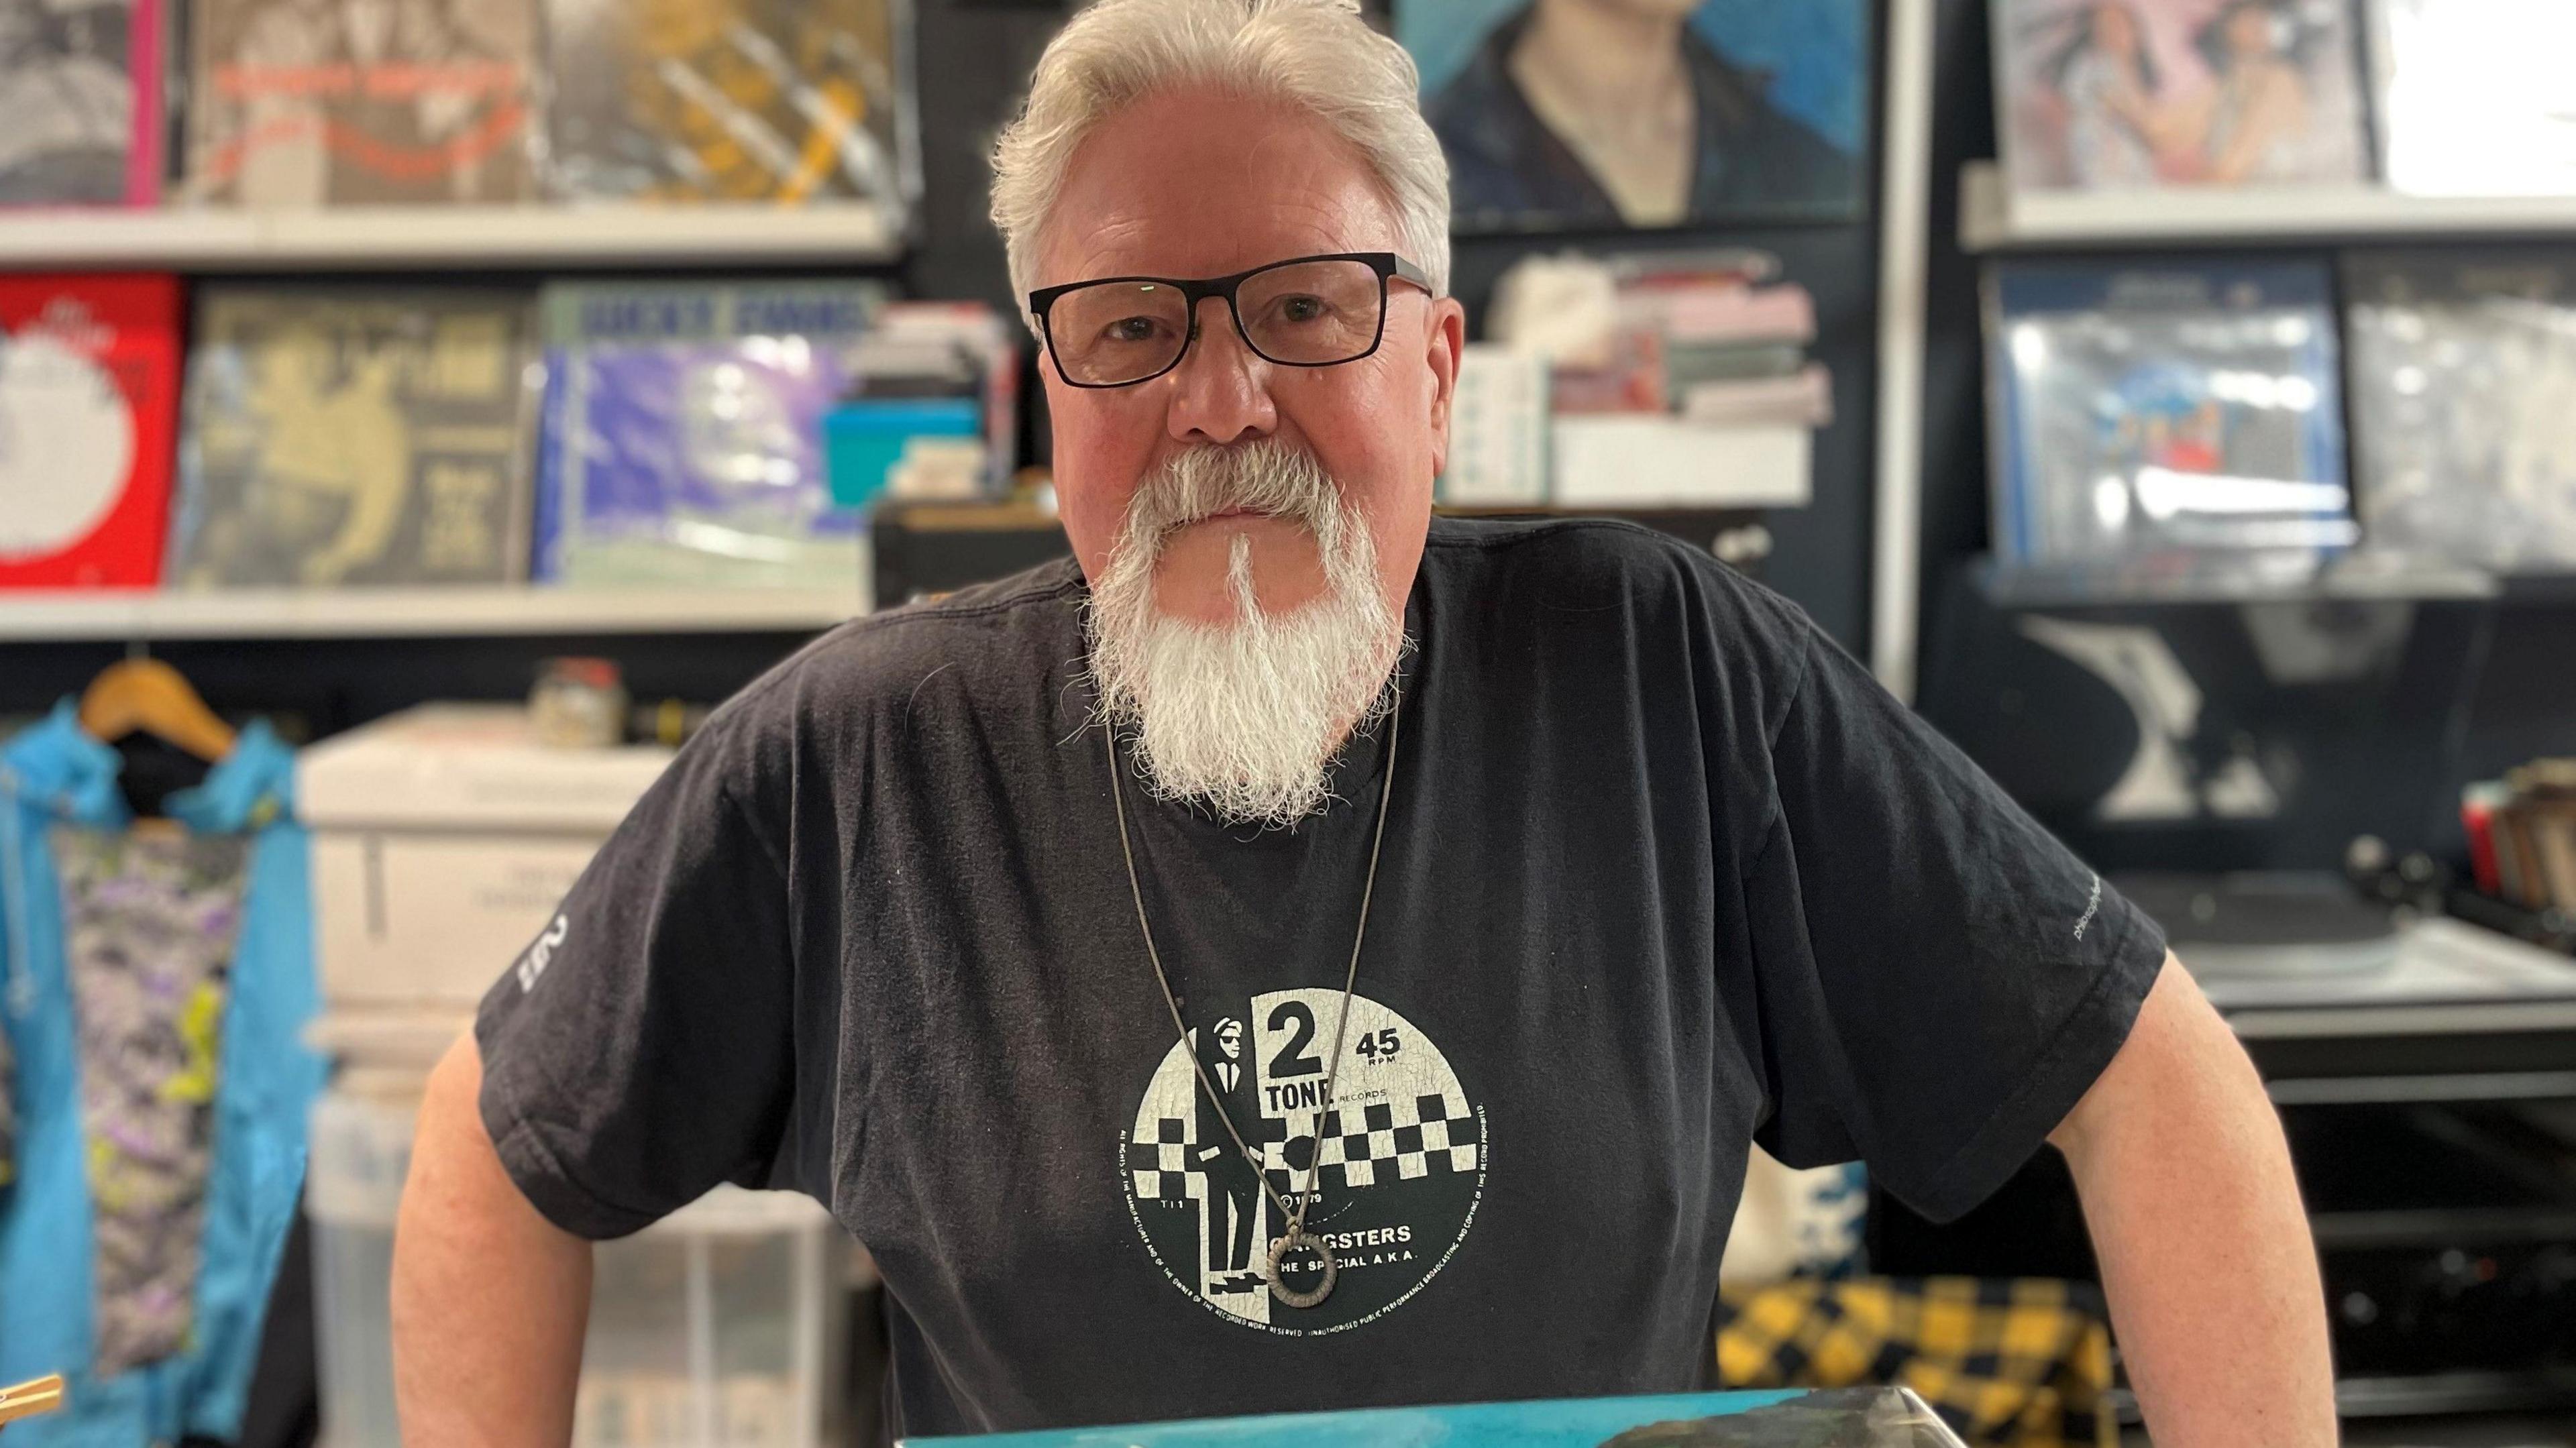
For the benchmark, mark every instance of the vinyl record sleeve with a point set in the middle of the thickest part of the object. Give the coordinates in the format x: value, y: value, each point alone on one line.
x: 298, y: 103
x: 2179, y: 418
x: 684, y: 432
x: 89, y: 394
x: 80, y: 102
x: 2463, y: 368
x: 2128, y: 95
x: 353, y: 436
x: 790, y: 101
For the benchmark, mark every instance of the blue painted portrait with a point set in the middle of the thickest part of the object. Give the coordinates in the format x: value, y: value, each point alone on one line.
x: 1582, y: 115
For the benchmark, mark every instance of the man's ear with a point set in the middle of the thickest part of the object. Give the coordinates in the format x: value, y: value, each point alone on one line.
x: 1448, y: 340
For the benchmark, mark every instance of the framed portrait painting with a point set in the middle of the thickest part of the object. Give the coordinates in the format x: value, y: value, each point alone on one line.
x: 1616, y: 115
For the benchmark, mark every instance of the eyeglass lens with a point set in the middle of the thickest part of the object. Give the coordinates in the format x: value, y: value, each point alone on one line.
x: 1310, y: 313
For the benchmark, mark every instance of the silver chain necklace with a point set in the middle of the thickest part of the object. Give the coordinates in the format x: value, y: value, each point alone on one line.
x: 1295, y: 1236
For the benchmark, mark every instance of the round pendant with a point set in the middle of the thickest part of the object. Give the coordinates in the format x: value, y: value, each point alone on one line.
x: 1297, y: 1237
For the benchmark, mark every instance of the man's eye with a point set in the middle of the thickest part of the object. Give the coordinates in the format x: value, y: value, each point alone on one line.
x: 1303, y: 309
x: 1131, y: 329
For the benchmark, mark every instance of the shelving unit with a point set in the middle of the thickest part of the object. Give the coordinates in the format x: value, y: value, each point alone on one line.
x: 397, y: 238
x: 544, y: 238
x: 144, y: 617
x: 1993, y: 219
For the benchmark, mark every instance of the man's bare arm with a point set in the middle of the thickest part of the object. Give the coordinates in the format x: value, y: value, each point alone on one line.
x: 2204, y: 1247
x: 489, y: 1298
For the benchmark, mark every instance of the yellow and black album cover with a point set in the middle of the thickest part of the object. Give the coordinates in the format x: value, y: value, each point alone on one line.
x: 357, y: 437
x: 731, y: 100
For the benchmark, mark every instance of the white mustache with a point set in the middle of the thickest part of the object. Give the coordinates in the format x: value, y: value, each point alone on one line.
x: 1263, y: 477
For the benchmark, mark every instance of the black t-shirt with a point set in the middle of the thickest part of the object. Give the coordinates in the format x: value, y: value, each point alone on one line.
x: 1665, y: 873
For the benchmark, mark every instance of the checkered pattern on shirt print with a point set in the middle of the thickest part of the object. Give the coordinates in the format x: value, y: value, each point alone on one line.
x: 1160, y: 1161
x: 1392, y: 1141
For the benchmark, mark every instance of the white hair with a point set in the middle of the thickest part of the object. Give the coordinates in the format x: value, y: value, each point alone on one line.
x: 1317, y: 55
x: 1244, y: 719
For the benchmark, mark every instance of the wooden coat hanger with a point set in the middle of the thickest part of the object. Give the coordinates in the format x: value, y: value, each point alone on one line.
x: 144, y: 693
x: 44, y: 1395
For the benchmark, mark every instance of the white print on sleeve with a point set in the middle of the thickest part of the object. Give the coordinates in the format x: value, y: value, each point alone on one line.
x: 533, y: 964
x: 2092, y: 907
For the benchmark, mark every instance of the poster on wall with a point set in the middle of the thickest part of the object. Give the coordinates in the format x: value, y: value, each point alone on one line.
x: 2111, y: 95
x: 1609, y: 115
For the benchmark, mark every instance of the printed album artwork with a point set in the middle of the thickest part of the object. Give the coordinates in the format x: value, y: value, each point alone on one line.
x: 80, y: 102
x: 363, y: 437
x: 2476, y: 97
x: 2103, y: 95
x: 731, y: 100
x: 297, y: 103
x: 684, y: 437
x: 1559, y: 116
x: 89, y: 396
x: 2170, y: 420
x: 2463, y: 381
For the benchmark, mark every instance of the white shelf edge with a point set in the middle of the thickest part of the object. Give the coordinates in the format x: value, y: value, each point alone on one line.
x: 1992, y: 218
x: 358, y: 239
x: 148, y: 616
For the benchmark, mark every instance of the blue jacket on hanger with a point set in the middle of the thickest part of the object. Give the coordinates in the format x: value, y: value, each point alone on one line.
x: 55, y: 774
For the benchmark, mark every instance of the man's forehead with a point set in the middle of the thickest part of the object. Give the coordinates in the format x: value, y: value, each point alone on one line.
x: 1198, y: 184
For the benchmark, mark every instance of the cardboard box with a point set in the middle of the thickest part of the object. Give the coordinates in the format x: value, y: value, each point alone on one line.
x: 443, y: 838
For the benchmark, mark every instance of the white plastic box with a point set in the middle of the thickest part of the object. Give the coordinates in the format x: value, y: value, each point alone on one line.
x: 1652, y: 460
x: 443, y: 838
x: 719, y: 1327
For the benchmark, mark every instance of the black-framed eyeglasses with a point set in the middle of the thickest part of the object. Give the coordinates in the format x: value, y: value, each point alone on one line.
x: 1307, y: 311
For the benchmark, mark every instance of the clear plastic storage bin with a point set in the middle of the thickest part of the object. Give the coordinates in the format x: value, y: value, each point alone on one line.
x: 719, y: 1327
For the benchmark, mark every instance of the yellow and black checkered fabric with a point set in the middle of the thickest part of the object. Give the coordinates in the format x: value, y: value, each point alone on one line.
x: 2014, y: 1363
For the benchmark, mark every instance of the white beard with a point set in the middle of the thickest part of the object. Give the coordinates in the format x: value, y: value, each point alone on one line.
x: 1243, y: 719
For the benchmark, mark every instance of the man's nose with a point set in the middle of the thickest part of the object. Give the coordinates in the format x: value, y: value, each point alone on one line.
x: 1221, y: 391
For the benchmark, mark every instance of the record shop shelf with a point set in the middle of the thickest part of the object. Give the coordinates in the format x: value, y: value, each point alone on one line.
x: 142, y: 615
x: 1991, y: 218
x: 390, y: 238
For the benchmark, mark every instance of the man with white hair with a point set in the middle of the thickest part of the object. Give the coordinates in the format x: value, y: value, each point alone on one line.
x: 1547, y: 866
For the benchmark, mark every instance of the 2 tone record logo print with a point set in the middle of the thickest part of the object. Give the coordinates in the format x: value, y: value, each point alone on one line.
x: 1397, y: 1165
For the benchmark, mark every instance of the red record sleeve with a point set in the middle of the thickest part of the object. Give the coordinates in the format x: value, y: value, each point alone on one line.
x: 89, y: 398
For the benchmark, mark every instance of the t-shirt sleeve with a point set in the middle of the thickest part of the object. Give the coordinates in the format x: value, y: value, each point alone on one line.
x: 639, y: 1051
x: 1939, y: 979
